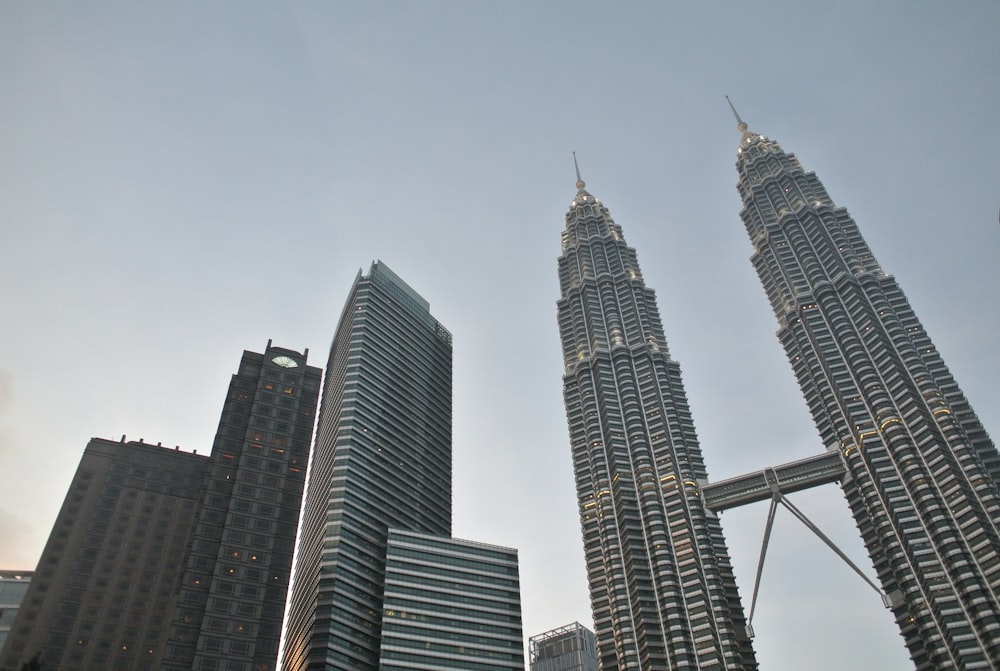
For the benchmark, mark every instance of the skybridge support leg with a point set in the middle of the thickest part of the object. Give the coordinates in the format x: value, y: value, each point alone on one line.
x: 799, y: 515
x: 777, y: 498
x: 760, y: 562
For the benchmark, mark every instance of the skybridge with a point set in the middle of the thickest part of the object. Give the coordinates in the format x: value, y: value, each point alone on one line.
x: 764, y: 484
x: 773, y: 484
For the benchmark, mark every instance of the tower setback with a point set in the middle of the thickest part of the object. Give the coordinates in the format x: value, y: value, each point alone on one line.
x: 661, y: 583
x: 921, y: 473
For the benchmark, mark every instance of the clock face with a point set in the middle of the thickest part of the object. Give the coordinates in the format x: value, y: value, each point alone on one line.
x: 285, y: 361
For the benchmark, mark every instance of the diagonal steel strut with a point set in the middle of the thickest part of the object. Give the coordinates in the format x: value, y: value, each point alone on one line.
x: 777, y: 498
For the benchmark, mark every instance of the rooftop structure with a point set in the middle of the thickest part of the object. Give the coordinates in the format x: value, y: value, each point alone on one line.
x: 569, y: 648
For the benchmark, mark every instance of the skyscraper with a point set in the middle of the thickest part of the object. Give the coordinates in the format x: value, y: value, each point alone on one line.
x: 450, y: 603
x: 569, y: 648
x: 105, y: 587
x: 382, y: 460
x: 164, y: 559
x: 233, y: 589
x: 661, y: 583
x: 921, y: 474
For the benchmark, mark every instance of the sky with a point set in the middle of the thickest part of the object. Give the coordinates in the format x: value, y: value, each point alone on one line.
x: 182, y: 181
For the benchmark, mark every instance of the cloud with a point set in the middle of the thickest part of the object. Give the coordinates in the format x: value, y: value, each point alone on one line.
x: 18, y: 549
x: 5, y: 389
x: 18, y: 544
x: 6, y: 396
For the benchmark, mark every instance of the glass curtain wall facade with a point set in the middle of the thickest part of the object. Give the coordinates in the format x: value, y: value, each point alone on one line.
x: 13, y: 586
x: 922, y: 474
x: 382, y: 459
x: 450, y: 604
x: 661, y: 582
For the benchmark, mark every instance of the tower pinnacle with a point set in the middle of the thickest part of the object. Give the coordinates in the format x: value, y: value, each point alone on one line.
x: 741, y: 125
x: 579, y: 182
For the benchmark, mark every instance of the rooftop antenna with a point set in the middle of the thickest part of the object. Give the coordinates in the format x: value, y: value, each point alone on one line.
x: 579, y: 182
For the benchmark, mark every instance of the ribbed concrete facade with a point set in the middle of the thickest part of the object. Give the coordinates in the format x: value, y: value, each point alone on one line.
x: 382, y: 459
x: 661, y: 581
x: 922, y: 475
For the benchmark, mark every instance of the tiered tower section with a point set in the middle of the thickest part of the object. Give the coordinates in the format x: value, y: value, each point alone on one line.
x: 661, y: 583
x: 922, y: 474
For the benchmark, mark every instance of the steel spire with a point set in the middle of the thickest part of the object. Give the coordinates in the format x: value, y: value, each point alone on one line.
x: 741, y: 125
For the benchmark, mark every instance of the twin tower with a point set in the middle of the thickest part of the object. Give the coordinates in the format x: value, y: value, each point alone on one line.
x: 917, y: 468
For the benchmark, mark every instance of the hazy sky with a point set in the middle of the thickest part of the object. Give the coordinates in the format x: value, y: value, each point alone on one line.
x: 181, y: 181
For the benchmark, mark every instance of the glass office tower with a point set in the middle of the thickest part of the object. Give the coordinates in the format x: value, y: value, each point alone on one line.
x: 450, y: 604
x: 382, y: 459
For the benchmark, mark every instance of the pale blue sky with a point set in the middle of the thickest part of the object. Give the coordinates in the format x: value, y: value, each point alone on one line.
x: 181, y: 181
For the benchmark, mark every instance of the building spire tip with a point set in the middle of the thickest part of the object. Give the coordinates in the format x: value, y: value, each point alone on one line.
x: 579, y: 182
x: 741, y: 125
